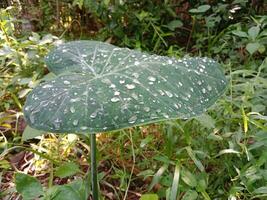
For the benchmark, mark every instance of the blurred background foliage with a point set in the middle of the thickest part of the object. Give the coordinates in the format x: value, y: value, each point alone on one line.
x: 221, y: 154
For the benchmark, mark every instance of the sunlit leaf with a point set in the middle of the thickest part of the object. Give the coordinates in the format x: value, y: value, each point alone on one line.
x: 175, y: 182
x: 67, y: 169
x: 101, y: 88
x: 149, y: 197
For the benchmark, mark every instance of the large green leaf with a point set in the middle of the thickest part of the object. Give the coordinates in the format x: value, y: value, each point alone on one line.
x: 100, y: 87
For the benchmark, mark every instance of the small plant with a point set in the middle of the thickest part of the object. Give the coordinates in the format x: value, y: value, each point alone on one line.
x: 100, y: 88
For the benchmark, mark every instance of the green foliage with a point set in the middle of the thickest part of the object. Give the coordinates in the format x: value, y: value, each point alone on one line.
x: 21, y: 62
x: 108, y: 88
x: 29, y: 187
x: 67, y: 169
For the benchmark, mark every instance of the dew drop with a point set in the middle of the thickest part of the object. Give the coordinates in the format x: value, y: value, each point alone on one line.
x: 116, y: 93
x: 132, y: 120
x: 135, y: 75
x: 165, y: 115
x: 47, y: 86
x: 93, y: 115
x: 204, y: 90
x: 75, y: 100
x: 170, y: 62
x: 72, y: 109
x: 209, y: 88
x: 135, y: 96
x: 130, y: 86
x: 169, y: 94
x: 84, y: 128
x: 147, y: 109
x: 27, y: 108
x: 114, y: 99
x: 75, y: 122
x: 112, y: 86
x: 153, y: 116
x: 151, y: 78
x: 66, y: 82
x: 136, y: 63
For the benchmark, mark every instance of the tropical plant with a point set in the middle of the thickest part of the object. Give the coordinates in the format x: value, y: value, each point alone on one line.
x: 100, y: 88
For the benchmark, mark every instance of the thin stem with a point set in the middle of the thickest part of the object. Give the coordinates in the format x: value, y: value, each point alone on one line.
x: 93, y: 167
x: 132, y: 170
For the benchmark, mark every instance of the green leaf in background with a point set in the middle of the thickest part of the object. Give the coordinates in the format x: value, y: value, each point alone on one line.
x: 157, y: 176
x: 200, y: 9
x: 260, y: 190
x: 253, y: 32
x: 149, y: 197
x: 190, y: 195
x: 67, y: 169
x: 174, y: 24
x: 252, y: 47
x: 76, y: 190
x: 30, y: 133
x: 29, y: 187
x: 192, y: 155
x: 189, y: 178
x: 240, y: 33
x: 175, y: 182
x: 101, y: 88
x: 206, y: 121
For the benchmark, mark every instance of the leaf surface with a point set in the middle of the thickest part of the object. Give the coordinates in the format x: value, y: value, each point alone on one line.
x: 29, y: 187
x: 100, y: 87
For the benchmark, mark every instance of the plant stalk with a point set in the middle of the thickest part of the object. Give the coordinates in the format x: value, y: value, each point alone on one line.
x: 93, y: 167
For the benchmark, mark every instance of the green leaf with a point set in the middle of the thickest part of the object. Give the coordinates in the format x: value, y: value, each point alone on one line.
x: 206, y: 121
x: 240, y: 33
x: 157, y: 176
x: 252, y: 47
x: 149, y: 197
x: 200, y: 9
x: 174, y: 24
x: 29, y: 187
x: 189, y: 178
x: 101, y: 88
x: 67, y: 169
x: 77, y: 190
x: 190, y: 195
x: 175, y: 182
x: 30, y: 133
x: 260, y: 190
x: 192, y: 155
x: 253, y: 32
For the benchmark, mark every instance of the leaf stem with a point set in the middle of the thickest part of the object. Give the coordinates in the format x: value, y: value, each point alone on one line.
x: 93, y: 167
